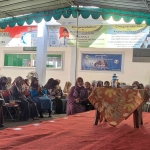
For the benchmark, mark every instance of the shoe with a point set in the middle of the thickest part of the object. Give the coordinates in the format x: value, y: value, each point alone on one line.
x: 50, y: 115
x: 1, y: 125
x: 41, y: 116
x: 35, y: 118
x: 30, y: 119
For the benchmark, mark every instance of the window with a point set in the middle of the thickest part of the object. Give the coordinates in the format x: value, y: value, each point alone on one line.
x: 54, y: 61
x: 17, y: 60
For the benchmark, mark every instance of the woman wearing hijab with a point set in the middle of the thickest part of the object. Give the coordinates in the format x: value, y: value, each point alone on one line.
x: 3, y: 83
x: 93, y: 85
x: 136, y: 84
x: 17, y: 94
x: 3, y: 86
x: 9, y: 80
x: 39, y: 97
x: 89, y: 106
x: 67, y: 88
x: 1, y: 114
x: 141, y: 86
x: 106, y: 83
x: 99, y: 84
x: 87, y: 85
x: 33, y: 107
x: 26, y: 87
x: 48, y: 85
x: 78, y: 96
x: 146, y: 107
x: 55, y: 94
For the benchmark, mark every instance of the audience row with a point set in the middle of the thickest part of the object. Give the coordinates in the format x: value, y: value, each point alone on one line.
x: 34, y: 99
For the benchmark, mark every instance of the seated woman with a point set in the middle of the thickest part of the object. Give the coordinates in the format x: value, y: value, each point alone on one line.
x: 78, y: 96
x: 39, y: 97
x: 146, y: 107
x: 26, y: 87
x: 1, y: 114
x: 9, y: 80
x: 87, y: 85
x: 89, y: 106
x: 33, y: 107
x: 99, y: 84
x: 17, y: 94
x: 93, y: 85
x: 67, y: 89
x: 136, y: 84
x: 3, y: 82
x: 3, y: 86
x: 141, y: 86
x: 55, y: 94
x: 106, y: 83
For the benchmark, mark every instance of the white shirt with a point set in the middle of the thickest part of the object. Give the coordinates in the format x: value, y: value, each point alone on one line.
x: 63, y: 41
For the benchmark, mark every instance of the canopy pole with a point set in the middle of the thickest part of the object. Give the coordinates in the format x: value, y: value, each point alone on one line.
x: 76, y: 63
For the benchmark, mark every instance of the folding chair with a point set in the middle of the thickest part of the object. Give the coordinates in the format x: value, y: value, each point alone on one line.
x: 5, y: 94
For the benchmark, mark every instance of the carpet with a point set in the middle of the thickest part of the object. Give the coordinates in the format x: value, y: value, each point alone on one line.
x: 77, y: 132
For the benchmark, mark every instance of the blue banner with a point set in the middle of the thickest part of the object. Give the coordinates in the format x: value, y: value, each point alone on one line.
x: 99, y: 62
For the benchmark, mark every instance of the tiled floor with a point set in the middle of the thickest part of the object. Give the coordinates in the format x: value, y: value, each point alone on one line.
x: 10, y: 124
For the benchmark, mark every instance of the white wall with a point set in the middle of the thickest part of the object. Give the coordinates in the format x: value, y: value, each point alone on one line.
x: 132, y: 71
x: 65, y: 74
x: 12, y: 71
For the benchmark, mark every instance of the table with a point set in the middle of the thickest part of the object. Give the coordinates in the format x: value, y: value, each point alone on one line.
x: 117, y: 104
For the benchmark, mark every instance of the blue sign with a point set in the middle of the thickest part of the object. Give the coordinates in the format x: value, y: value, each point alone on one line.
x: 99, y: 62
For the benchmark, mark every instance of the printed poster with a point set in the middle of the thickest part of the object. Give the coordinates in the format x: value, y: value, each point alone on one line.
x: 24, y: 36
x: 100, y: 36
x: 101, y: 62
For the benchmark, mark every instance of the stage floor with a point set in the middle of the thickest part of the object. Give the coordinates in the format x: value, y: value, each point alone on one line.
x: 77, y: 132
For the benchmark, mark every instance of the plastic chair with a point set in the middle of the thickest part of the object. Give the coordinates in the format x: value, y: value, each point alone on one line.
x: 5, y: 94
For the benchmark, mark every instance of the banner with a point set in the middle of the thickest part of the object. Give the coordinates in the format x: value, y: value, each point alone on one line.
x: 99, y: 62
x: 106, y: 36
x: 18, y: 36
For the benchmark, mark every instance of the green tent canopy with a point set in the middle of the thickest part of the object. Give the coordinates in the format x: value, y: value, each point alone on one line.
x: 95, y: 13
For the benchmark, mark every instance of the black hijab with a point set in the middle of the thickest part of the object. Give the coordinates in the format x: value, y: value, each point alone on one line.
x: 3, y: 83
x: 49, y: 84
x: 54, y: 84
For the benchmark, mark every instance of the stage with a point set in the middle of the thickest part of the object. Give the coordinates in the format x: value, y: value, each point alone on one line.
x: 77, y: 132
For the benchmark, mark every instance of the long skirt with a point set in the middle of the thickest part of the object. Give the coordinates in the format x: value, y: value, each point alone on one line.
x: 59, y: 106
x: 25, y: 110
x: 1, y: 116
x: 73, y: 108
x: 43, y: 103
x: 33, y: 108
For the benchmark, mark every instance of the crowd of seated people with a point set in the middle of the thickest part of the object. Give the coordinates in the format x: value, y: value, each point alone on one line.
x: 33, y: 100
